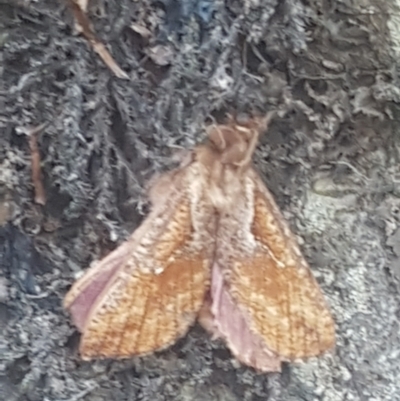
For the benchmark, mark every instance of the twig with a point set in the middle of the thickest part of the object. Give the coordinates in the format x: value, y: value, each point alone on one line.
x: 84, y: 24
x: 32, y: 134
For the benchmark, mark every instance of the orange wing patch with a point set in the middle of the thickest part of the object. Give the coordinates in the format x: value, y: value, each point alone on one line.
x: 146, y: 312
x: 145, y: 294
x: 277, y: 290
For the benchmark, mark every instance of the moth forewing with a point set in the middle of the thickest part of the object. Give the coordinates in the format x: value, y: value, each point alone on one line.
x: 276, y: 288
x: 160, y: 195
x: 107, y: 269
x: 157, y: 287
x: 264, y: 281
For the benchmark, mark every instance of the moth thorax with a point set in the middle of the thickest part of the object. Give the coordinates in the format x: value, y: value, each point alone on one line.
x: 217, y: 197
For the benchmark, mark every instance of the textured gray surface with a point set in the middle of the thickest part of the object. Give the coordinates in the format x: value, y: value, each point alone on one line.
x: 332, y: 161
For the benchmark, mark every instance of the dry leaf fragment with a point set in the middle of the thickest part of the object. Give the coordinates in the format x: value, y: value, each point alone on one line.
x: 84, y: 26
x: 141, y: 30
x: 215, y: 247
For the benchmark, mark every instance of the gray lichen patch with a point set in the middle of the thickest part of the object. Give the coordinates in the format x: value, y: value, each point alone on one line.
x: 331, y: 158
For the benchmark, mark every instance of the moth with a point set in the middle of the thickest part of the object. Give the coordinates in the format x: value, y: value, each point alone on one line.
x: 214, y: 248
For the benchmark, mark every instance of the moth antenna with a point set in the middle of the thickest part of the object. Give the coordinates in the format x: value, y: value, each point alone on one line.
x: 262, y: 126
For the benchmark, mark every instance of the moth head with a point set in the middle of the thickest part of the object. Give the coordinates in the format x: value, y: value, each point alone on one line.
x: 235, y: 141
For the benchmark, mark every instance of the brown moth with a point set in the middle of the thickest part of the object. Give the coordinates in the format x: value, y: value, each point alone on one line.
x: 216, y: 248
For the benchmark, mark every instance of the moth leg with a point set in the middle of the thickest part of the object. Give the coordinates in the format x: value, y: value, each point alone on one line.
x: 245, y: 161
x: 253, y: 140
x: 216, y: 136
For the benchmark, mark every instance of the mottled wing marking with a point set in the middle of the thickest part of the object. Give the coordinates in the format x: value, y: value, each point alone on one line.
x: 152, y: 286
x: 164, y: 217
x: 277, y: 289
x: 145, y: 309
x: 150, y: 313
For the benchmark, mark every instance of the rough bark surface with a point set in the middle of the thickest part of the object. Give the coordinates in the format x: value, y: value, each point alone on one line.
x: 331, y: 159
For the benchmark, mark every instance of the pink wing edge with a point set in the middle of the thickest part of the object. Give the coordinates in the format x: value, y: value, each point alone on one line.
x: 223, y: 318
x: 103, y: 272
